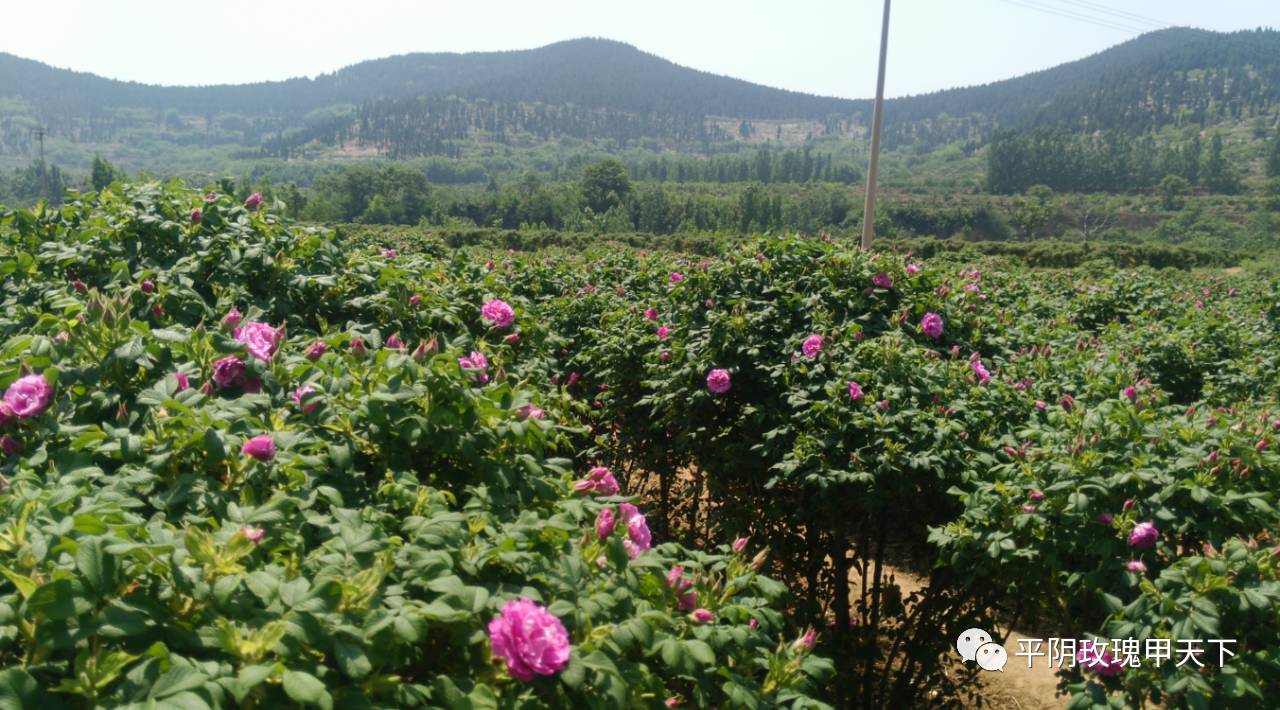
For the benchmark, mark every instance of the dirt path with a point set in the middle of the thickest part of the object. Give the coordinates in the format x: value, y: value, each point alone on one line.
x: 1018, y: 687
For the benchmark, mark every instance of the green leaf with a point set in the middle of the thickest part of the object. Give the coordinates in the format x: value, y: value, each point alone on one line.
x: 26, y: 586
x: 352, y: 659
x: 96, y: 566
x: 177, y: 679
x: 306, y: 688
x: 700, y: 651
x: 55, y: 600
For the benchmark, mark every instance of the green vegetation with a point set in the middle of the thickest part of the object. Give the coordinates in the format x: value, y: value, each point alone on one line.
x: 1089, y: 451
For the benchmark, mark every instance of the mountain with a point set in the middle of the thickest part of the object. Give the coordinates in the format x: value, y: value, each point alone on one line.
x: 610, y: 94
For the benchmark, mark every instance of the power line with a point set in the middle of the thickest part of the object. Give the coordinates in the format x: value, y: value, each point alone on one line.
x: 1098, y: 21
x: 1121, y: 14
x: 1074, y: 15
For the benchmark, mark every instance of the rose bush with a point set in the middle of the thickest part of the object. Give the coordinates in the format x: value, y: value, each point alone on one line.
x: 206, y: 513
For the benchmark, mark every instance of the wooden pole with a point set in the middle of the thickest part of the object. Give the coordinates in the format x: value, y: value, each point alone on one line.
x: 869, y: 209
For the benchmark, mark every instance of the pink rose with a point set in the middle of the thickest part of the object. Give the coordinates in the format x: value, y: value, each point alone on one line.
x: 931, y: 325
x: 261, y: 339
x: 1144, y: 535
x: 718, y: 381
x: 262, y: 448
x: 605, y: 523
x: 530, y: 639
x: 229, y: 372
x: 498, y: 312
x: 599, y: 480
x: 29, y: 396
x: 315, y: 351
x: 812, y: 346
x: 300, y: 394
x: 252, y: 202
x: 253, y: 534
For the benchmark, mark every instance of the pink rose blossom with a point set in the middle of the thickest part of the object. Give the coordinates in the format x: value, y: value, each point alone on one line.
x: 530, y: 639
x: 931, y: 325
x: 606, y: 521
x: 183, y: 382
x: 511, y: 339
x: 663, y: 331
x: 651, y: 314
x: 855, y: 391
x: 415, y: 299
x: 253, y: 534
x: 913, y: 268
x: 196, y: 215
x: 394, y: 342
x: 718, y: 381
x: 260, y: 338
x: 811, y: 346
x: 739, y: 544
x: 229, y: 372
x: 300, y: 394
x: 882, y: 280
x: 981, y: 371
x: 29, y: 396
x: 638, y: 538
x: 599, y: 480
x: 702, y: 616
x: 1144, y: 535
x: 232, y: 318
x: 1105, y: 519
x: 528, y: 411
x: 499, y: 313
x: 147, y: 286
x: 262, y: 448
x: 253, y: 201
x: 1136, y: 566
x: 676, y: 277
x: 1094, y: 659
x: 358, y: 347
x: 1036, y: 494
x: 807, y: 641
x: 315, y: 351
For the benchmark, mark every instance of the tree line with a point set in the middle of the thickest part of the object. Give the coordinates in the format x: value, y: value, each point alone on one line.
x: 1108, y: 161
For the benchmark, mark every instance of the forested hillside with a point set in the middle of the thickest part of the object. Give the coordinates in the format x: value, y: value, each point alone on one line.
x: 611, y: 94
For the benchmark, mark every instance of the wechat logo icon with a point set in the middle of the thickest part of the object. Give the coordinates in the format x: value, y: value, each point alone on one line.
x: 976, y: 645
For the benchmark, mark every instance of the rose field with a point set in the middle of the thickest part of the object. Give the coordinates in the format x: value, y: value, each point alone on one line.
x: 255, y: 463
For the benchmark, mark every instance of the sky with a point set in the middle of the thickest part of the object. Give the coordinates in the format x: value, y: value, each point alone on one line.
x: 827, y: 47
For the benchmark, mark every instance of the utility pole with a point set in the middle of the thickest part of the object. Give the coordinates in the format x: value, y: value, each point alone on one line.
x: 44, y: 175
x: 869, y: 209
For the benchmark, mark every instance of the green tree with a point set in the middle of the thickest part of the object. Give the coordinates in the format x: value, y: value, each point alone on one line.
x: 1273, y: 156
x: 1172, y: 188
x: 1218, y: 174
x: 604, y: 185
x: 103, y: 173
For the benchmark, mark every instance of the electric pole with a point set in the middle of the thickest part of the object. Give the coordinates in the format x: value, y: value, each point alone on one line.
x: 44, y: 177
x: 869, y: 209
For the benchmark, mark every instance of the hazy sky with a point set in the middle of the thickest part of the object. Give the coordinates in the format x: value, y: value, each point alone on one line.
x: 825, y: 47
